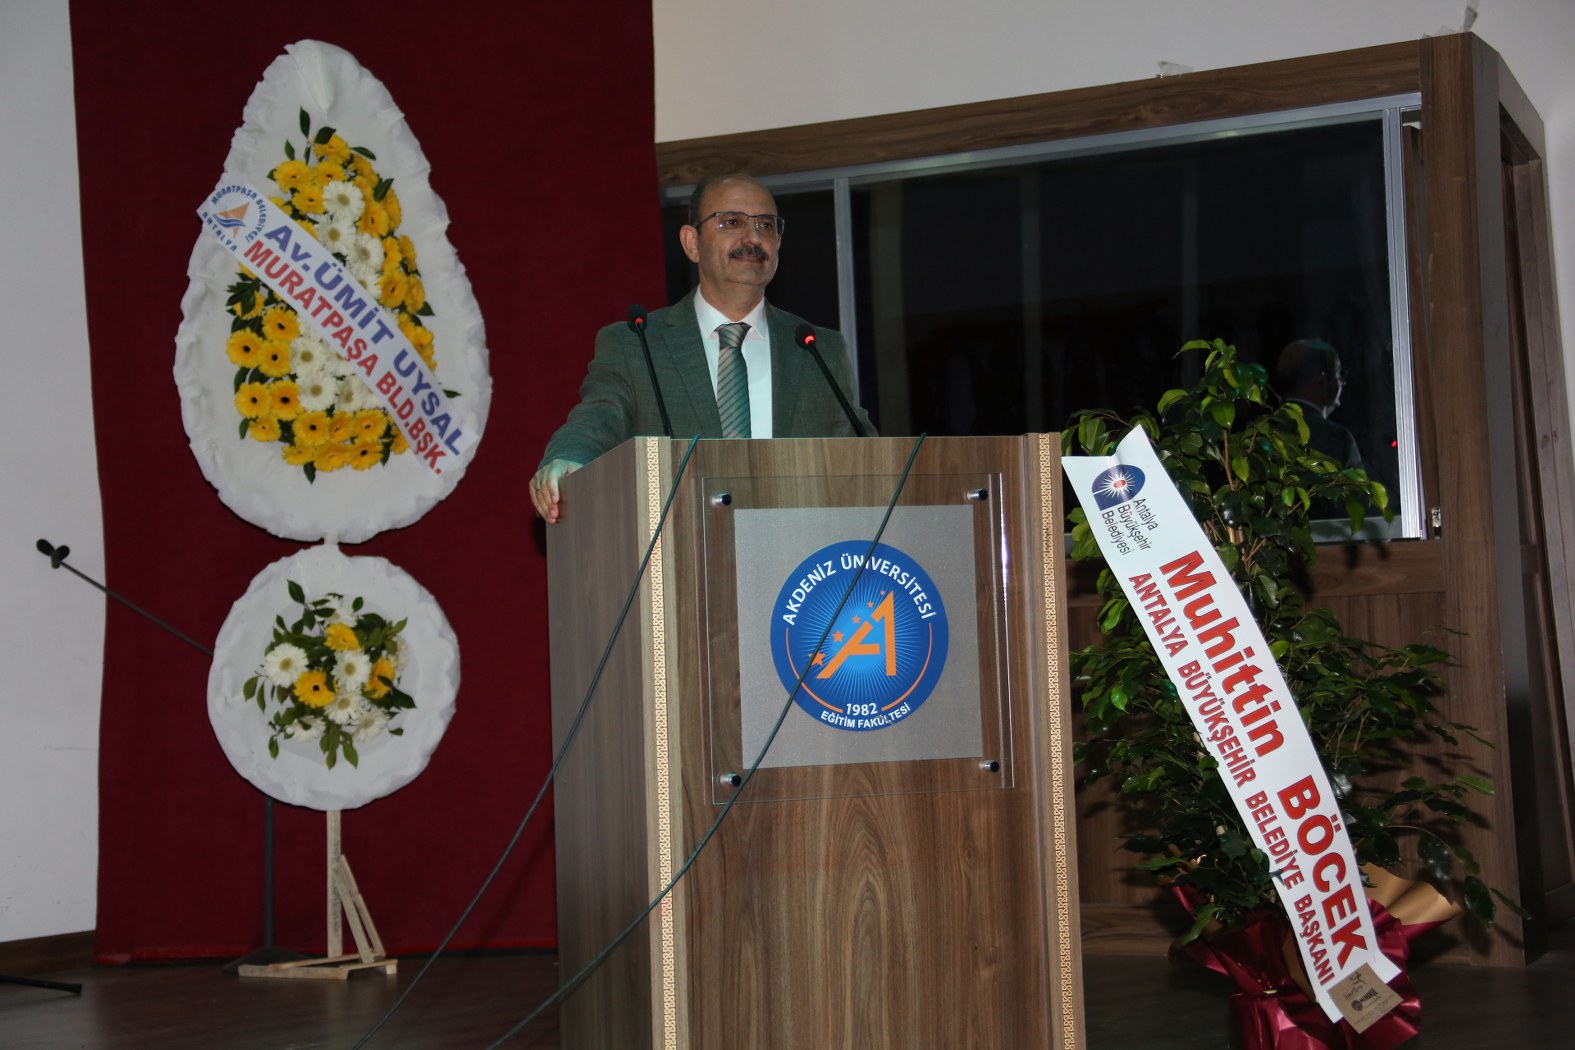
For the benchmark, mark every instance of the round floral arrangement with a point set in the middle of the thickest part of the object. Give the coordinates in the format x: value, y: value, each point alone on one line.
x: 333, y: 679
x: 291, y: 387
x: 333, y: 676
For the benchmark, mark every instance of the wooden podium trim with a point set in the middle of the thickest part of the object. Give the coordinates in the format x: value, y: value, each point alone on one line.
x: 664, y: 946
x: 1061, y: 901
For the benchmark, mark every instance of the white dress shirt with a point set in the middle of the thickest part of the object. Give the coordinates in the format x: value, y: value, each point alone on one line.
x: 757, y: 358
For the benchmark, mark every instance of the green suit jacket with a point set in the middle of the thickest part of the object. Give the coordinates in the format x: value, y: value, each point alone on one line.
x: 617, y: 403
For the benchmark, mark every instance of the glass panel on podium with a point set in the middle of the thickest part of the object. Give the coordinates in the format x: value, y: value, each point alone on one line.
x: 887, y: 680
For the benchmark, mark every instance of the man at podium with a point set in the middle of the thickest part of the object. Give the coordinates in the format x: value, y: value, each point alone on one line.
x: 728, y: 364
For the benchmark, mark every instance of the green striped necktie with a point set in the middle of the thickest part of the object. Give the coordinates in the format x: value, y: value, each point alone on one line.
x: 732, y: 381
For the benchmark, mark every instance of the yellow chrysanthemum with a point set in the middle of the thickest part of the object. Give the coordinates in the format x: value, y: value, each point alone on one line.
x: 308, y: 199
x: 369, y: 425
x: 335, y: 149
x: 280, y: 322
x: 401, y: 443
x: 294, y: 174
x: 264, y: 429
x: 393, y: 257
x: 341, y: 637
x: 330, y: 171
x: 408, y: 248
x: 376, y: 688
x: 311, y: 431
x: 244, y: 348
x: 312, y: 689
x: 416, y: 297
x: 297, y: 456
x: 365, y: 455
x: 374, y: 219
x: 421, y: 339
x: 391, y: 205
x: 286, y: 399
x: 331, y: 457
x: 274, y: 359
x: 392, y: 288
x: 253, y: 400
x: 341, y: 428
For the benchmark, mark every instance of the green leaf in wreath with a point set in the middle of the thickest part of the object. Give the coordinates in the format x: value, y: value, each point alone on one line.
x: 296, y: 593
x: 306, y: 122
x: 273, y: 747
x: 381, y: 189
x: 348, y: 745
x: 324, y: 133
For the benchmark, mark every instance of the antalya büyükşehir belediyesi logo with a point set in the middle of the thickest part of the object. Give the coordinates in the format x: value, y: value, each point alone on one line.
x: 1117, y: 485
x: 884, y: 651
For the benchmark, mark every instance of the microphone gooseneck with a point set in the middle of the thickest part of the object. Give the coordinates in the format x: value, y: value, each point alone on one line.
x: 637, y: 322
x: 805, y: 337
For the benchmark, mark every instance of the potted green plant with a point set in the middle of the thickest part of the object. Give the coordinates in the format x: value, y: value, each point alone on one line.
x: 1240, y: 456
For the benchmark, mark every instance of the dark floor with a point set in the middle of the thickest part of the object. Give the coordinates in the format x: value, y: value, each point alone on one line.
x: 1130, y: 1002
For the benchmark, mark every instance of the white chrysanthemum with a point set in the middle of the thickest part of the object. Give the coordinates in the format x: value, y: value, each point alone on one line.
x: 308, y: 728
x: 355, y: 395
x: 368, y: 724
x: 398, y: 652
x: 344, y: 707
x: 283, y: 664
x: 352, y: 670
x: 365, y: 259
x: 318, y: 393
x: 338, y: 235
x: 310, y: 355
x: 343, y: 201
x: 342, y: 610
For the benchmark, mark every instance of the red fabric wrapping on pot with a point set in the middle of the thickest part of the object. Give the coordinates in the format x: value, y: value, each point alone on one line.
x: 1274, y: 1010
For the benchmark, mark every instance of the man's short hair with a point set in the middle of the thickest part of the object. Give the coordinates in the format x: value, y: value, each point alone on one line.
x: 706, y: 183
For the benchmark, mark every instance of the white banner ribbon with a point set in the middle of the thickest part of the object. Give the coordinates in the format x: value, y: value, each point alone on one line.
x: 324, y: 295
x: 1205, y: 636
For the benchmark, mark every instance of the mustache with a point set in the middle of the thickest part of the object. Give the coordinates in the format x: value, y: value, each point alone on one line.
x: 749, y: 251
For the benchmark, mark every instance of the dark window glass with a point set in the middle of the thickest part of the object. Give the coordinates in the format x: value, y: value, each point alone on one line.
x: 1001, y: 300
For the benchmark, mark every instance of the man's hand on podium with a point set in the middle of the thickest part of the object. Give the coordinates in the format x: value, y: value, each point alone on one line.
x: 544, y: 486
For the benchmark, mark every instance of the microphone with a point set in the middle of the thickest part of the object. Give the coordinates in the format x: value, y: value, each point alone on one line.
x: 637, y: 322
x: 805, y: 337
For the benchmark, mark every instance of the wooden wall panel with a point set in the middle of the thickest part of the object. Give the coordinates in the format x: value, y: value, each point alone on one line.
x: 1468, y: 574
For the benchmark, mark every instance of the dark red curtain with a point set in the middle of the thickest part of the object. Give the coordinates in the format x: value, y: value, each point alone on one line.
x: 537, y: 118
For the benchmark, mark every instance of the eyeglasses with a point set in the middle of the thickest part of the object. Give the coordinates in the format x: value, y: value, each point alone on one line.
x: 769, y: 226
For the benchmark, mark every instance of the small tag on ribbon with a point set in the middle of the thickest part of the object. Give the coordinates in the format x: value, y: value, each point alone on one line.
x: 1362, y: 998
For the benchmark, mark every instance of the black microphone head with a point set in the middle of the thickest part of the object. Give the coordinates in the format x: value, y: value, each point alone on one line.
x: 636, y: 316
x: 805, y: 336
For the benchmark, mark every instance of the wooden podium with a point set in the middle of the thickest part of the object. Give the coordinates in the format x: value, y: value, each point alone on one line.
x: 910, y: 886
